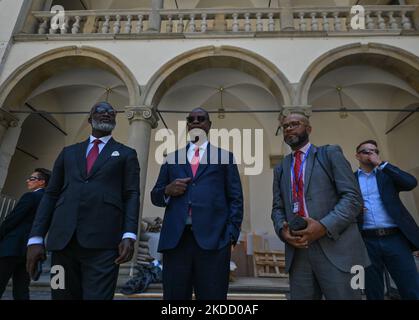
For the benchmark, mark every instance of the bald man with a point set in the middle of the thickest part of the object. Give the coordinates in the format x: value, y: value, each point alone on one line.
x: 90, y: 211
x: 316, y: 202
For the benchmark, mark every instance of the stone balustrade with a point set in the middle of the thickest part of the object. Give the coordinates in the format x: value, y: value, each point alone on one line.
x: 338, y: 19
x: 306, y: 19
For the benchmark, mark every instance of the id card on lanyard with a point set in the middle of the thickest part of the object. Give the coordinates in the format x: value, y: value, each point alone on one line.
x: 296, y: 180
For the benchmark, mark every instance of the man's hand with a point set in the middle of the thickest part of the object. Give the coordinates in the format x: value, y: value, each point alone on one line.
x: 374, y: 159
x: 126, y: 250
x: 35, y: 253
x: 291, y: 239
x: 177, y: 187
x: 314, y: 231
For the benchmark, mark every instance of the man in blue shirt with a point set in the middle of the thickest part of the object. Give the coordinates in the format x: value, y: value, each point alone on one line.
x: 389, y: 231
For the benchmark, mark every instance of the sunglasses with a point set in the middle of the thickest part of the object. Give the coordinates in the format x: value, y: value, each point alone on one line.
x: 103, y: 110
x: 200, y: 119
x: 369, y: 151
x: 32, y: 178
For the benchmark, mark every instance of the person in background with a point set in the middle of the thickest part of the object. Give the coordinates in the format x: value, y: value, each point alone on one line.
x: 14, y: 232
x: 389, y: 231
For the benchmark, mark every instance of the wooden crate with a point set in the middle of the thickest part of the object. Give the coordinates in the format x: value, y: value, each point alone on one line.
x: 269, y: 264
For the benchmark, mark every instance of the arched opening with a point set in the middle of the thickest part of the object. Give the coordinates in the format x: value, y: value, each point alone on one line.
x: 229, y: 79
x: 65, y: 83
x: 365, y: 78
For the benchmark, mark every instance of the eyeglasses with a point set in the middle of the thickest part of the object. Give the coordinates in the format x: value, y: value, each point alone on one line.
x: 369, y: 151
x: 200, y: 119
x: 32, y: 178
x: 102, y: 110
x: 291, y: 125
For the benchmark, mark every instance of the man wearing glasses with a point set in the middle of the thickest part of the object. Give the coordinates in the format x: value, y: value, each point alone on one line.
x: 90, y: 211
x: 204, y: 211
x: 14, y: 232
x: 315, y: 187
x: 389, y: 231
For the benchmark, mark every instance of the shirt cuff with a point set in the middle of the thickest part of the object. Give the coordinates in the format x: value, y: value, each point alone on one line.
x: 129, y: 235
x: 166, y: 199
x: 382, y: 166
x: 35, y: 240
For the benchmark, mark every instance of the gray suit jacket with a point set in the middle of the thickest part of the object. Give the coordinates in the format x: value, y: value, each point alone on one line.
x: 334, y: 204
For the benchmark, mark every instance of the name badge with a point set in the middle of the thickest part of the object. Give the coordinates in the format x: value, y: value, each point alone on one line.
x: 295, y: 207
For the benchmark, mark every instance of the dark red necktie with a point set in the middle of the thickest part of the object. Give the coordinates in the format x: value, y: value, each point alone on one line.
x: 93, y: 154
x: 195, y: 162
x: 298, y: 196
x: 194, y: 167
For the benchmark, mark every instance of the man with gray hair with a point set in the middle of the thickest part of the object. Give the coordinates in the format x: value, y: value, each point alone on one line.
x: 316, y: 201
x: 90, y: 211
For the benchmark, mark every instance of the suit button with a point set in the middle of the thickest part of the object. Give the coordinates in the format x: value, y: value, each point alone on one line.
x: 87, y: 181
x: 190, y: 203
x: 193, y: 184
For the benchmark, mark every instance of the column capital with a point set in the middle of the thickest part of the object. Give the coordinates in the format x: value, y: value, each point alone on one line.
x: 305, y: 110
x: 7, y: 119
x: 142, y: 113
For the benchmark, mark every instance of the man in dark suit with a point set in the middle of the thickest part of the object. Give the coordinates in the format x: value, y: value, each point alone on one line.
x: 389, y: 231
x: 320, y: 188
x: 14, y: 232
x: 201, y: 190
x: 90, y: 211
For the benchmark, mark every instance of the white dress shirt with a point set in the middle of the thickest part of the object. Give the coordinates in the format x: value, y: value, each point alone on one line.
x: 105, y: 140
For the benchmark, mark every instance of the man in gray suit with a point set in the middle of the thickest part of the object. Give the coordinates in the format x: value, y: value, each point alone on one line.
x: 317, y: 186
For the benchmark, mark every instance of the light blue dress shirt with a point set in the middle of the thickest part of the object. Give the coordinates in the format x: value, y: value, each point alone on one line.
x: 376, y: 215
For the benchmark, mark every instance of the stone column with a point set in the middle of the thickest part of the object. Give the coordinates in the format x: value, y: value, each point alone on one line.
x: 220, y: 23
x: 7, y: 146
x: 415, y: 14
x: 306, y: 110
x: 6, y: 120
x: 286, y: 17
x: 141, y: 119
x: 154, y: 21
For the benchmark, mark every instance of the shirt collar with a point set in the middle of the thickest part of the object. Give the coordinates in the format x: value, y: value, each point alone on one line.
x: 104, y: 139
x: 193, y: 146
x: 303, y: 149
x: 360, y: 171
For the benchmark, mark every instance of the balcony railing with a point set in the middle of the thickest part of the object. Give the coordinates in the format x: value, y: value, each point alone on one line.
x: 226, y: 21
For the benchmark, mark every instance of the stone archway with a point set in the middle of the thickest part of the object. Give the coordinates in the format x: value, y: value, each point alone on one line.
x: 396, y: 60
x: 15, y: 90
x: 223, y: 56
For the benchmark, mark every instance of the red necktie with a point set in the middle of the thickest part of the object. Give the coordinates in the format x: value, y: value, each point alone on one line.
x: 298, y: 196
x: 194, y: 167
x: 195, y: 162
x: 93, y: 154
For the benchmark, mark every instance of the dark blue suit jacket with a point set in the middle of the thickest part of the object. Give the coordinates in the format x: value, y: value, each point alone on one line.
x: 391, y: 181
x: 215, y: 196
x: 14, y: 231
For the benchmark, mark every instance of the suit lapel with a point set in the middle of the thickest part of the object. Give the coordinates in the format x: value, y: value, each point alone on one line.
x: 81, y: 157
x: 287, y: 176
x: 309, y: 167
x: 104, y: 156
x: 203, y: 164
x: 183, y: 162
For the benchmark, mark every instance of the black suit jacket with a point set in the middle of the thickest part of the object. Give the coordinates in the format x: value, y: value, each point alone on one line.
x: 391, y: 181
x: 14, y: 230
x: 99, y: 207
